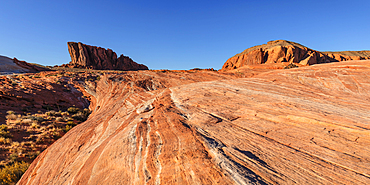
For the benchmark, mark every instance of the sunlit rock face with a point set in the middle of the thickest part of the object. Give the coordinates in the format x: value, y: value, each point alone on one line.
x: 305, y: 125
x: 93, y: 57
x: 286, y: 52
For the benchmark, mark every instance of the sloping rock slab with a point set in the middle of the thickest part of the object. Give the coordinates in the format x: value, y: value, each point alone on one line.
x: 298, y: 126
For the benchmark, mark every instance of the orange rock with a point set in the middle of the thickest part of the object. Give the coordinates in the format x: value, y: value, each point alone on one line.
x: 92, y: 57
x: 282, y: 51
x: 305, y: 125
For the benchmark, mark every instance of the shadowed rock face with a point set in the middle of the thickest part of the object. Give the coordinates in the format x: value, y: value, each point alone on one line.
x: 282, y: 51
x: 299, y: 126
x: 10, y: 66
x: 92, y: 57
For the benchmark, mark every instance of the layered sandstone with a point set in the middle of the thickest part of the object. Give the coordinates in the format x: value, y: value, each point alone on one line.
x: 298, y: 126
x: 348, y: 55
x: 284, y: 52
x: 92, y: 57
x: 10, y: 66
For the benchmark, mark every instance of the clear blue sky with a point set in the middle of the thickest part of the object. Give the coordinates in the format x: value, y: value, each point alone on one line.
x: 177, y: 34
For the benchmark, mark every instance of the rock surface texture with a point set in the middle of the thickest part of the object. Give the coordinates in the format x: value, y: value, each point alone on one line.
x: 282, y: 51
x: 307, y: 125
x: 10, y: 66
x: 33, y: 92
x: 92, y: 57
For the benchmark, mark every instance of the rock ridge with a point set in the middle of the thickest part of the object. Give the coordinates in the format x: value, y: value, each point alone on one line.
x: 10, y: 66
x: 93, y: 57
x: 299, y: 126
x: 286, y: 52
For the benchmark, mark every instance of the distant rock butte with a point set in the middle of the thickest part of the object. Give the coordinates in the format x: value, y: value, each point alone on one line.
x: 285, y: 52
x: 299, y: 126
x: 92, y: 57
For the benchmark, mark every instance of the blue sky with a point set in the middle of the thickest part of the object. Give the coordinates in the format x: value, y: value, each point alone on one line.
x: 177, y: 34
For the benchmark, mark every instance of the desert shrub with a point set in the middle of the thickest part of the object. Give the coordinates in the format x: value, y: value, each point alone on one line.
x: 27, y: 121
x: 58, y: 113
x: 4, y: 140
x: 291, y: 65
x: 81, y: 116
x: 43, y: 128
x: 56, y: 135
x: 15, y: 144
x: 32, y: 155
x: 67, y: 128
x: 4, y: 132
x: 11, y: 117
x: 10, y: 112
x: 12, y: 173
x: 13, y: 157
x: 50, y: 113
x: 37, y: 118
x: 59, y: 119
x: 71, y: 123
x: 73, y: 110
x: 35, y: 125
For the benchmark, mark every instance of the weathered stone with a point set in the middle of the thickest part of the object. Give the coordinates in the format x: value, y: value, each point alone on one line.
x: 10, y: 66
x: 298, y: 126
x: 92, y: 57
x: 281, y: 51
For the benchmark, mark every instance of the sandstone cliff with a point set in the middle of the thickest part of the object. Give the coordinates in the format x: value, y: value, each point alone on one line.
x: 298, y: 126
x: 282, y: 51
x: 92, y: 57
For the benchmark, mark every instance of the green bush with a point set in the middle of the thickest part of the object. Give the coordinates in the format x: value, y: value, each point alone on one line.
x: 291, y: 65
x: 12, y: 173
x: 82, y: 116
x: 4, y: 132
x: 37, y: 118
x: 67, y: 128
x: 73, y: 110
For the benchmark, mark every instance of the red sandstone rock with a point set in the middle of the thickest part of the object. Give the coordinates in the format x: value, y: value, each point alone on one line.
x: 30, y: 67
x: 92, y: 57
x: 306, y: 125
x: 10, y: 66
x: 281, y: 51
x: 37, y: 92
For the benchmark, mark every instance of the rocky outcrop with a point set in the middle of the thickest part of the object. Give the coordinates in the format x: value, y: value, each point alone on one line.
x: 10, y: 66
x: 32, y: 68
x: 282, y: 51
x: 348, y: 55
x: 299, y: 126
x: 35, y: 92
x: 92, y: 57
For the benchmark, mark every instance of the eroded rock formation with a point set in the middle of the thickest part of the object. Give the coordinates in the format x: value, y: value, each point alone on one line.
x: 282, y: 51
x: 92, y: 57
x: 10, y: 66
x: 298, y: 126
